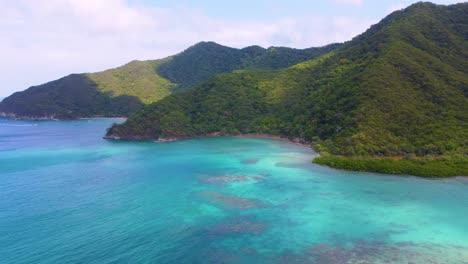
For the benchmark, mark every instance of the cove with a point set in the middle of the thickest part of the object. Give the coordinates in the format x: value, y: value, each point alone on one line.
x: 67, y: 196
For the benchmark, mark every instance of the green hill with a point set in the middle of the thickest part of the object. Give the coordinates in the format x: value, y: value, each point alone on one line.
x: 392, y: 100
x: 70, y: 97
x: 206, y: 59
x: 126, y: 89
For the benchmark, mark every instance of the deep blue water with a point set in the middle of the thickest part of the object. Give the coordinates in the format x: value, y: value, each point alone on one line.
x: 67, y: 196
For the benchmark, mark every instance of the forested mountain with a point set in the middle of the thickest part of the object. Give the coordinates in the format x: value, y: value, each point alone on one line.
x: 392, y: 100
x: 123, y: 90
x: 206, y: 59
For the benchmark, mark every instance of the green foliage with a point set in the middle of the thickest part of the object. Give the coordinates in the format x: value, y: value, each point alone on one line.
x: 176, y: 123
x: 398, y: 89
x: 206, y: 59
x: 426, y: 167
x: 137, y: 78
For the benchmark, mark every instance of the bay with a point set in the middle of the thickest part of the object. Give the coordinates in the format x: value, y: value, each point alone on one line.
x: 68, y: 196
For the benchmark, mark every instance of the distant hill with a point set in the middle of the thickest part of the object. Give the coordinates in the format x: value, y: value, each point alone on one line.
x: 123, y: 90
x: 206, y: 59
x: 392, y: 100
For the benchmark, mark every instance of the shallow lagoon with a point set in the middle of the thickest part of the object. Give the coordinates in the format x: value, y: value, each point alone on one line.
x: 67, y: 196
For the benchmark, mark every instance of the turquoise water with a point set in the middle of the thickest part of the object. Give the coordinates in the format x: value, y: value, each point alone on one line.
x: 67, y: 196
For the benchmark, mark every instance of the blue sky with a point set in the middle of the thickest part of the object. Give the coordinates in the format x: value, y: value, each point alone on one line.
x: 265, y: 10
x: 271, y: 8
x: 43, y: 40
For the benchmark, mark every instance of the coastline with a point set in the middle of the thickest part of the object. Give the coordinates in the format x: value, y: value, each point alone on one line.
x: 54, y: 118
x: 424, y: 168
x: 296, y: 141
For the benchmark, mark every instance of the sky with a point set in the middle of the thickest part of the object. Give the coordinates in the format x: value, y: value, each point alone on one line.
x: 43, y: 40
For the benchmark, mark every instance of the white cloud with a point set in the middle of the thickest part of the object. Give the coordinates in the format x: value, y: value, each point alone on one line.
x: 42, y: 40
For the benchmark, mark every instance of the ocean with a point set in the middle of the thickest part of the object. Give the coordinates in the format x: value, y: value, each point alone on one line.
x: 68, y: 196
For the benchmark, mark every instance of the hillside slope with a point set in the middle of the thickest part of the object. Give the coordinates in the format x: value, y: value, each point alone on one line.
x: 123, y: 90
x: 392, y: 100
x: 70, y: 97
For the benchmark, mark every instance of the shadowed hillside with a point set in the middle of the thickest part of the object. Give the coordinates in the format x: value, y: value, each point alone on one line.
x: 70, y: 97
